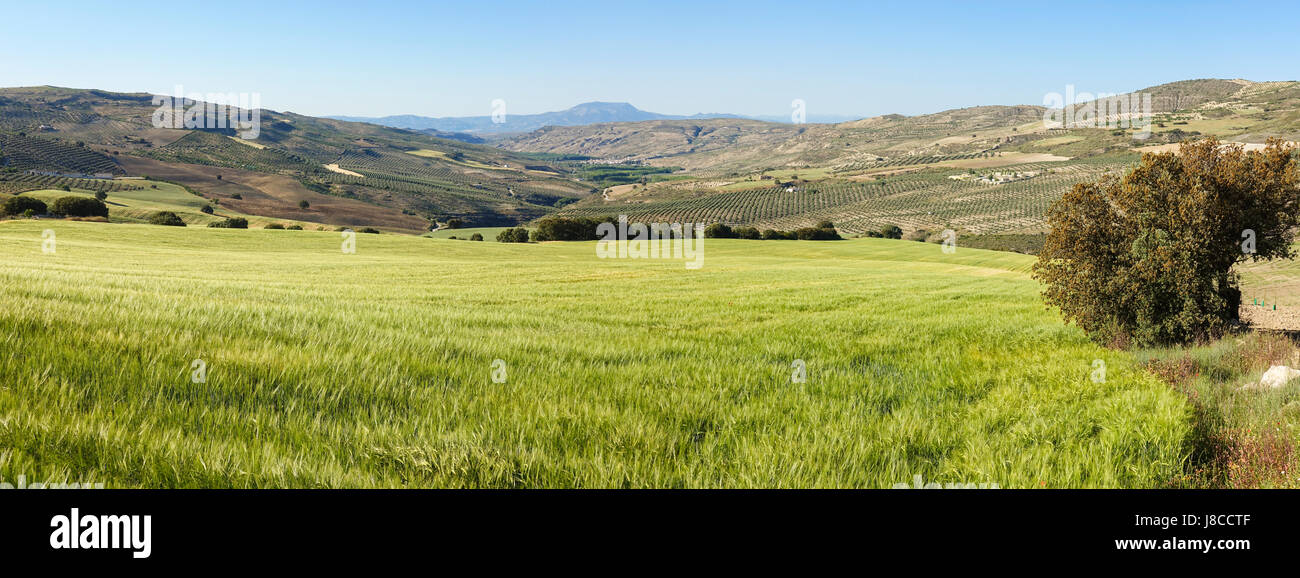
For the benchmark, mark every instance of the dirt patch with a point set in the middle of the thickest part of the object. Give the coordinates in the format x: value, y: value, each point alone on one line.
x: 1282, y: 319
x: 335, y: 168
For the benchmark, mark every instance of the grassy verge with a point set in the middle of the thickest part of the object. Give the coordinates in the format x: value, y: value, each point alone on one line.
x: 1241, y: 438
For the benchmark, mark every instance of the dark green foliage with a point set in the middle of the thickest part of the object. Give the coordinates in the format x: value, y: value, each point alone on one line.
x: 79, y: 207
x: 719, y: 231
x: 166, y: 219
x: 231, y: 223
x: 568, y: 229
x: 1148, y: 258
x: 515, y: 235
x: 20, y: 206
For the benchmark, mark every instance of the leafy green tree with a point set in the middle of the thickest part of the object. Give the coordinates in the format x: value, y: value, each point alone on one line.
x: 21, y: 205
x: 79, y: 207
x: 166, y: 218
x: 1148, y: 258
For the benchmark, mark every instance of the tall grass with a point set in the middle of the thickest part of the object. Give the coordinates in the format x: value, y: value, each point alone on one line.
x: 374, y: 369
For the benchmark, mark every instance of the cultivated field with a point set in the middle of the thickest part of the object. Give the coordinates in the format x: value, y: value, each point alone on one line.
x: 376, y: 368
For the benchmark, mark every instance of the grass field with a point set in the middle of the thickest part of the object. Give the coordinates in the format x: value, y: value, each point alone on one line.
x: 327, y: 369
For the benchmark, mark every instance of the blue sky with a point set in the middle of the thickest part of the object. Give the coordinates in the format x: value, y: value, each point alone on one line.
x: 452, y: 59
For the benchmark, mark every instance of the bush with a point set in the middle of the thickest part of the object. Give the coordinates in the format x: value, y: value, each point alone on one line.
x: 294, y: 228
x: 274, y: 227
x: 719, y: 231
x: 101, y: 195
x: 515, y: 235
x: 816, y: 234
x: 368, y: 230
x: 231, y: 223
x: 1148, y: 258
x: 891, y: 232
x: 917, y: 235
x: 207, y: 209
x: 774, y: 235
x: 166, y: 219
x: 455, y: 223
x: 476, y: 237
x: 568, y: 229
x: 20, y: 206
x: 747, y: 233
x: 79, y: 207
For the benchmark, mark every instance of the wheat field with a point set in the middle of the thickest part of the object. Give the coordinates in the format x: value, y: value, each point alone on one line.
x: 380, y: 368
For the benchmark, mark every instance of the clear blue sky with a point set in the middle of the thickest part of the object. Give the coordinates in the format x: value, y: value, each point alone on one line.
x: 375, y: 57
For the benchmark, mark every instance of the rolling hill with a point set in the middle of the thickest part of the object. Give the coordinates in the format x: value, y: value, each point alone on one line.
x: 984, y: 169
x: 406, y: 180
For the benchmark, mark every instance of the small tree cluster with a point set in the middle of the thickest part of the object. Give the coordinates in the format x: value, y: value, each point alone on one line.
x: 79, y: 207
x: 513, y: 235
x: 824, y: 231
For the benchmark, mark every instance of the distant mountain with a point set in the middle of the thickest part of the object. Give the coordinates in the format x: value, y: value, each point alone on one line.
x: 580, y: 115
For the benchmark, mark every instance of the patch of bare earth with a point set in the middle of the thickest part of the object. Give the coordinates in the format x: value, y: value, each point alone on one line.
x: 1283, y: 318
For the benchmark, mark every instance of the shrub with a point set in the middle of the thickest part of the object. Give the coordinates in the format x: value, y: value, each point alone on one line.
x: 917, y: 235
x: 568, y: 229
x: 455, y: 223
x: 1148, y: 258
x: 294, y: 228
x: 816, y: 234
x: 774, y: 235
x: 747, y: 233
x: 231, y: 223
x: 514, y: 235
x: 368, y: 230
x: 891, y: 232
x: 166, y: 219
x: 719, y: 231
x: 274, y: 226
x: 79, y: 207
x: 207, y: 209
x: 101, y: 195
x: 20, y: 206
x: 304, y: 205
x: 476, y: 237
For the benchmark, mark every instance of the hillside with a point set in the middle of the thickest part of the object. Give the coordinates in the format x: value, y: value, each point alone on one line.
x: 988, y: 169
x: 984, y: 169
x: 408, y: 179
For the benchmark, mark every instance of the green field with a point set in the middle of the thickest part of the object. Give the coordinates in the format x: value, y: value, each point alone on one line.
x: 327, y: 369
